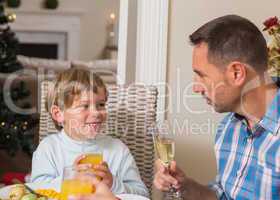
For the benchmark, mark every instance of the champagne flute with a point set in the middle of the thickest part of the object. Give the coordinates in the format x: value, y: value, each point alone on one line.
x: 165, y: 149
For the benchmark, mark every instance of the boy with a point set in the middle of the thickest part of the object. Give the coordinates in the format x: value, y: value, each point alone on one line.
x: 77, y: 106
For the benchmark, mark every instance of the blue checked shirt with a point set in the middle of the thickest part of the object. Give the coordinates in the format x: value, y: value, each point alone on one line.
x: 249, y: 160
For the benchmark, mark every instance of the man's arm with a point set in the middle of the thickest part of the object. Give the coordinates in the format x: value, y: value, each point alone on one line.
x: 191, y: 190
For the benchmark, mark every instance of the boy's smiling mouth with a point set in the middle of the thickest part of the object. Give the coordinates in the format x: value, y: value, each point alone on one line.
x: 94, y: 125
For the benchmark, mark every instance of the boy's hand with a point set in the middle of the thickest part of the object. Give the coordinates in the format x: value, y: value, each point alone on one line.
x: 102, y: 191
x: 104, y: 173
x: 81, y: 167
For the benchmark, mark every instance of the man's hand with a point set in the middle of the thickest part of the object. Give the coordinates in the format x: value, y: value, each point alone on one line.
x: 166, y: 178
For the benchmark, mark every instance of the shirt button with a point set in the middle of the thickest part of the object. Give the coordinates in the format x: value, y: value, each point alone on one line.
x: 238, y: 173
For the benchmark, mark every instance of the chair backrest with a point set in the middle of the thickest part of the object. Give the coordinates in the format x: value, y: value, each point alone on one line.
x: 131, y: 110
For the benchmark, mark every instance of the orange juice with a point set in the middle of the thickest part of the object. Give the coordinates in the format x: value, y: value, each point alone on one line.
x: 92, y: 158
x: 75, y: 187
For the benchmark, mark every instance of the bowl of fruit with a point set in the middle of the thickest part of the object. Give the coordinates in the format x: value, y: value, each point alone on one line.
x: 23, y: 192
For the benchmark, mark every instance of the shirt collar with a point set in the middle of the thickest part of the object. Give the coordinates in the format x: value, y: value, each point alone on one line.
x: 68, y: 139
x: 271, y: 119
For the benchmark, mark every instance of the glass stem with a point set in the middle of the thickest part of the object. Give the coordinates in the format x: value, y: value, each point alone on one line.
x: 175, y: 193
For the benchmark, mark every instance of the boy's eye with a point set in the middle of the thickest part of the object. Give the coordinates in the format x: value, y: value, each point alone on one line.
x: 100, y: 105
x: 84, y: 106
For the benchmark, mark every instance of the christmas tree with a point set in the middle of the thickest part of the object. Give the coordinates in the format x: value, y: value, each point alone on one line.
x: 16, y: 128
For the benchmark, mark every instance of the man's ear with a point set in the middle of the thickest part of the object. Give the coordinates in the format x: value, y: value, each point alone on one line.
x: 57, y: 114
x: 236, y: 73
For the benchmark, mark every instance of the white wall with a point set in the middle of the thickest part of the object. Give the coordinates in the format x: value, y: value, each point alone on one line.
x: 94, y: 18
x: 195, y: 151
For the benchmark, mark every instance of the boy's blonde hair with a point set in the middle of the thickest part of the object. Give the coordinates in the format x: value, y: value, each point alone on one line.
x: 69, y: 84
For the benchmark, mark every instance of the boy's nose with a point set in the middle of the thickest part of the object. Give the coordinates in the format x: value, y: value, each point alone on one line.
x: 94, y: 112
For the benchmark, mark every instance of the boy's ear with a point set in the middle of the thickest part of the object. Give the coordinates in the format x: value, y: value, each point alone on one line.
x: 57, y: 114
x: 236, y: 73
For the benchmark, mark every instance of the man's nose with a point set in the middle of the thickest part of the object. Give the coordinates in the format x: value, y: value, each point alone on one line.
x: 198, y: 87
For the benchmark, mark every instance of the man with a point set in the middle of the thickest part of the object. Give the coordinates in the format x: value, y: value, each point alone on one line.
x: 229, y: 61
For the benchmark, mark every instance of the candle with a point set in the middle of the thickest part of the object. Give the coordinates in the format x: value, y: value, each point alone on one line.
x: 112, y: 30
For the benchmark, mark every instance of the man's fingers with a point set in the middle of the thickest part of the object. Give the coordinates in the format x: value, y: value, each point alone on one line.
x: 169, y: 179
x: 161, y: 167
x: 173, y: 167
x: 161, y: 184
x: 164, y: 181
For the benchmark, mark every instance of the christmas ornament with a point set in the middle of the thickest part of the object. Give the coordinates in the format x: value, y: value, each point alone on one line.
x: 51, y: 4
x: 13, y: 3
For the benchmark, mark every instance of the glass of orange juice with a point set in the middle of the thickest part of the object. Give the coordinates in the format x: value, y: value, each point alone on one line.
x: 72, y: 185
x: 92, y: 158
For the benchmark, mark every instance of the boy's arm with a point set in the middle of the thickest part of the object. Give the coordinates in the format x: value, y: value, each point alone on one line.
x: 128, y: 179
x: 44, y: 173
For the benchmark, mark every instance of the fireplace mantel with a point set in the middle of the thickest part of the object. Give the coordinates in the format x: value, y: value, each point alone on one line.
x: 50, y: 23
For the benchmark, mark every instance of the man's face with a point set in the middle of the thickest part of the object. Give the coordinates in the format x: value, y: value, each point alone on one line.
x: 84, y: 118
x: 211, y: 81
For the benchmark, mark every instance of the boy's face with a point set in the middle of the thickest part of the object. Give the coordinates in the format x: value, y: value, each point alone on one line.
x: 84, y: 118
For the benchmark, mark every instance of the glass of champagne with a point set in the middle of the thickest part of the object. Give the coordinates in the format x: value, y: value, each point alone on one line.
x: 165, y: 148
x: 72, y: 185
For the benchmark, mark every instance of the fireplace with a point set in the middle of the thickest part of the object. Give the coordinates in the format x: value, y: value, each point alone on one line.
x: 38, y: 50
x: 48, y: 35
x: 42, y: 34
x: 42, y: 44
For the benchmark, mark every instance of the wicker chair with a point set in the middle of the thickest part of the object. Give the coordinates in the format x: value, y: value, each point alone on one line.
x: 130, y: 111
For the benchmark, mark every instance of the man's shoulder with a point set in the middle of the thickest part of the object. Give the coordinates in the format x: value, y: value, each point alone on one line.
x: 223, y: 124
x: 226, y: 120
x: 227, y: 117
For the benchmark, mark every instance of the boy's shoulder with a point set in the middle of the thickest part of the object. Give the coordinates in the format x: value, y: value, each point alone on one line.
x: 50, y: 140
x: 52, y: 136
